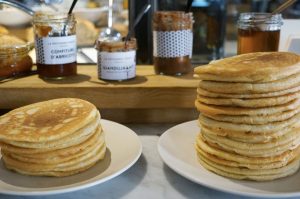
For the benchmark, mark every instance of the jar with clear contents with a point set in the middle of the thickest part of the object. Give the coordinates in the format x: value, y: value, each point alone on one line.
x: 14, y: 60
x: 116, y: 59
x: 55, y: 44
x: 172, y: 42
x: 258, y: 32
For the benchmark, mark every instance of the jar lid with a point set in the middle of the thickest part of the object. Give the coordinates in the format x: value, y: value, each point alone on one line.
x: 116, y: 46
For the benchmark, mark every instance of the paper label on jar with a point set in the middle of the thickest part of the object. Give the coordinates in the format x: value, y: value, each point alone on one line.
x: 171, y: 44
x: 116, y: 65
x: 56, y: 50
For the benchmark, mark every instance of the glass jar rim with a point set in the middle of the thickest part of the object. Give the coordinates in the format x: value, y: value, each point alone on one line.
x: 16, y: 49
x: 259, y: 18
x: 53, y: 17
x: 131, y: 44
x: 159, y: 15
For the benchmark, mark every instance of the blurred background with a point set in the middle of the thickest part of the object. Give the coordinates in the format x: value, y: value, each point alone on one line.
x: 215, y: 22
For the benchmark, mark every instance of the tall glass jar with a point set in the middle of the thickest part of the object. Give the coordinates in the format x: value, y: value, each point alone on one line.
x: 55, y: 44
x: 172, y: 42
x: 258, y: 32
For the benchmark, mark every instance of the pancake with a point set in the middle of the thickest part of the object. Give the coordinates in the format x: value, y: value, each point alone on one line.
x: 22, y: 150
x: 58, y: 156
x: 273, y: 145
x: 255, y: 119
x: 283, y: 158
x: 224, y: 162
x: 228, y: 110
x: 251, y: 103
x: 274, y: 148
x: 206, y: 93
x: 58, y: 137
x: 251, y: 67
x: 52, y: 170
x: 46, y: 121
x: 69, y: 140
x: 255, y: 128
x: 256, y: 175
x: 247, y: 137
x: 250, y: 115
x: 59, y: 152
x: 74, y: 164
x: 51, y: 173
x: 242, y: 88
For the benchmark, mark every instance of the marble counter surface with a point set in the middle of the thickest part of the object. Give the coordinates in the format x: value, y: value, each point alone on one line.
x: 148, y: 178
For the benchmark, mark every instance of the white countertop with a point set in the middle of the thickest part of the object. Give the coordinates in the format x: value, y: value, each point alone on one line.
x: 148, y: 178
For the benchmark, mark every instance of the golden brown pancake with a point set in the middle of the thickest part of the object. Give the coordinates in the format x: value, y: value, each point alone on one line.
x: 251, y: 67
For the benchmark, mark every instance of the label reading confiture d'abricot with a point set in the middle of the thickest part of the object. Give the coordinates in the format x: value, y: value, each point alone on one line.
x: 116, y: 65
x: 56, y: 50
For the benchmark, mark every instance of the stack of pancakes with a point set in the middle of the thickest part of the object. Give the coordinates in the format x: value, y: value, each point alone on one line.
x: 250, y: 115
x: 58, y: 137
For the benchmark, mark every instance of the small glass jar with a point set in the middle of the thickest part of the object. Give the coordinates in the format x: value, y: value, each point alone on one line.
x: 14, y: 60
x: 258, y: 32
x: 55, y: 44
x: 116, y: 59
x: 172, y: 42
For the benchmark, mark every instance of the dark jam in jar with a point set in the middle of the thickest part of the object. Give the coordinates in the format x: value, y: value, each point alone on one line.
x: 258, y: 32
x: 172, y: 42
x: 55, y: 43
x: 172, y: 66
x: 57, y: 70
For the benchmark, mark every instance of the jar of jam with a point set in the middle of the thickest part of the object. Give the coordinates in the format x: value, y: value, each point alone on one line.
x: 55, y: 44
x: 116, y: 59
x: 14, y: 58
x: 258, y: 32
x: 172, y: 42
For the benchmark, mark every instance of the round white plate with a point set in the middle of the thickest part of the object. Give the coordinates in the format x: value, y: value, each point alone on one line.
x: 123, y: 150
x: 177, y: 149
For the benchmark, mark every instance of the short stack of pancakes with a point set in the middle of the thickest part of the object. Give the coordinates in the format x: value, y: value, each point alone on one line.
x: 58, y: 137
x: 250, y: 116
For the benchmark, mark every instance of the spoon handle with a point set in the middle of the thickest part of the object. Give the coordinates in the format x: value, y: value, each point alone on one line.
x: 141, y: 14
x: 72, y: 6
x: 110, y: 7
x: 144, y: 10
x: 188, y: 6
x: 283, y: 6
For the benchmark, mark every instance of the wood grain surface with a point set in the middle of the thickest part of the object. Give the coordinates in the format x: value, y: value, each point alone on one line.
x: 148, y: 95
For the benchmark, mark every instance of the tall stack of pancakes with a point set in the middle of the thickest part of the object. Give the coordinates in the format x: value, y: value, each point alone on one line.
x: 58, y: 137
x: 250, y: 116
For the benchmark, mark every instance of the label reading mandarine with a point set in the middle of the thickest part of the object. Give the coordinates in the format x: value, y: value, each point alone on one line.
x: 116, y: 65
x: 56, y: 50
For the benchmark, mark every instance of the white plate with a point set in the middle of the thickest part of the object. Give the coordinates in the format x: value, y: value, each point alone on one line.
x: 91, y: 14
x: 176, y: 148
x: 13, y: 17
x: 124, y: 149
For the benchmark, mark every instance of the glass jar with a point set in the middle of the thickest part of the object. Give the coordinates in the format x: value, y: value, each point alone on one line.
x: 258, y: 32
x: 55, y: 44
x: 14, y: 60
x: 116, y: 59
x: 172, y: 42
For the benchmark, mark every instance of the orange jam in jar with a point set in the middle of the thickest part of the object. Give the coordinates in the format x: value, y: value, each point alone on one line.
x: 258, y: 32
x: 14, y: 58
x: 55, y: 44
